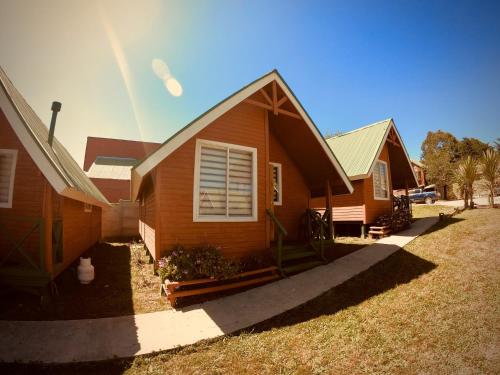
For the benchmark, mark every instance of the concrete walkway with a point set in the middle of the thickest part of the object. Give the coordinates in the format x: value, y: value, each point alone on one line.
x: 107, y: 338
x: 460, y: 202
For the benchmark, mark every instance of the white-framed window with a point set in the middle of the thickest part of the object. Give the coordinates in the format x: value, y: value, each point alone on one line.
x: 277, y: 187
x: 8, y: 161
x: 87, y: 207
x: 225, y: 182
x: 380, y: 181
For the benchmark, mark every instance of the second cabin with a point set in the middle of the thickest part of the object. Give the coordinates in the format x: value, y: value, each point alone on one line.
x: 377, y: 163
x: 241, y: 176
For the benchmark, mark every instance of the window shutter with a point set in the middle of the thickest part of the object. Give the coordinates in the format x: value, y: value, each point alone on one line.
x: 6, y: 174
x: 240, y: 183
x: 213, y: 180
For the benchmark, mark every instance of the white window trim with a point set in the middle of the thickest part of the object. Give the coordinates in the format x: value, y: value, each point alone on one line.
x: 8, y: 204
x: 280, y: 186
x: 386, y: 181
x: 196, y: 182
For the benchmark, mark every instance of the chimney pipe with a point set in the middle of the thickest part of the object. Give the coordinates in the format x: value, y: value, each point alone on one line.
x: 56, y: 107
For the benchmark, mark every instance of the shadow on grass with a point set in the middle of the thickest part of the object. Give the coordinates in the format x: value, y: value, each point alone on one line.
x: 400, y: 268
x: 447, y: 221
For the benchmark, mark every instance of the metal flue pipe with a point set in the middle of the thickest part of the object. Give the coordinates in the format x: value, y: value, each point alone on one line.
x: 56, y: 107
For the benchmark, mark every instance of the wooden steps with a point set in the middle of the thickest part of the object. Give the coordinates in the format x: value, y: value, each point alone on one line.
x: 379, y: 231
x: 299, y: 257
x: 178, y: 289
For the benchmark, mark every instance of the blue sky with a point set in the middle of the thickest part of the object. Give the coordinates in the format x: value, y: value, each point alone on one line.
x: 428, y: 64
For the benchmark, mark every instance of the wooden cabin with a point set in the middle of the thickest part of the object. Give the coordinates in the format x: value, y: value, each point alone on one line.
x: 108, y: 162
x: 239, y: 176
x: 50, y: 212
x: 419, y: 170
x: 376, y: 161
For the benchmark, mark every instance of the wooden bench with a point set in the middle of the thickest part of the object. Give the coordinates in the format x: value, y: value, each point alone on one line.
x: 376, y: 231
x: 177, y: 289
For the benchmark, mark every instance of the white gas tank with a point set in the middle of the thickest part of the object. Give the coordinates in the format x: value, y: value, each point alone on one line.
x: 85, y: 271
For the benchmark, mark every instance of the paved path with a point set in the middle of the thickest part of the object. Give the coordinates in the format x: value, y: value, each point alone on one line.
x: 460, y: 202
x: 107, y: 338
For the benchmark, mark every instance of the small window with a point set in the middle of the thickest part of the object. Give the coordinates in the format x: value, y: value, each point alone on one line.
x: 380, y: 180
x: 277, y: 189
x: 225, y: 182
x: 87, y: 207
x: 8, y: 160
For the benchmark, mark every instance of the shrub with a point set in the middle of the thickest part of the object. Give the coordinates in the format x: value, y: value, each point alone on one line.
x: 199, y: 262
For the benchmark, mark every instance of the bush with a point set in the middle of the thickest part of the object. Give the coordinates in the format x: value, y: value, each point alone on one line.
x: 200, y: 262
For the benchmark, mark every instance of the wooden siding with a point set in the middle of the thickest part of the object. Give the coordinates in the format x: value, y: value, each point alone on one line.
x: 243, y: 125
x: 28, y: 194
x: 81, y: 230
x: 346, y: 207
x: 360, y: 206
x: 295, y: 192
x: 147, y: 219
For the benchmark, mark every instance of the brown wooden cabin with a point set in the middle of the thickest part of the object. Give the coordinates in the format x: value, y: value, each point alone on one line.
x: 215, y: 180
x: 376, y: 161
x: 50, y: 212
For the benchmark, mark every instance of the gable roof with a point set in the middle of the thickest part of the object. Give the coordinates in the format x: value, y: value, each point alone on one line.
x: 358, y: 149
x: 55, y: 162
x: 116, y: 148
x: 191, y: 129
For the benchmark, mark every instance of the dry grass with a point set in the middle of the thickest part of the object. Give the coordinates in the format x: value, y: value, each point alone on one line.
x: 433, y: 307
x: 427, y: 210
x: 124, y: 284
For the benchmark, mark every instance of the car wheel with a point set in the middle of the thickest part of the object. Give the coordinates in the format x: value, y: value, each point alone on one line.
x: 428, y: 200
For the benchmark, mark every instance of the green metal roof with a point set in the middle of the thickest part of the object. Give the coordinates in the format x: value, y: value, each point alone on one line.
x: 357, y: 149
x: 57, y: 154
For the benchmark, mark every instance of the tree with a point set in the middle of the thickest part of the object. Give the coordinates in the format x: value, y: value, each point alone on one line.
x: 330, y: 134
x: 490, y: 170
x: 472, y: 147
x: 440, y: 152
x: 497, y: 144
x: 466, y: 174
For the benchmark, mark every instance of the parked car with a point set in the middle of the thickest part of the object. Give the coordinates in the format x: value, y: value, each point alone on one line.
x: 427, y: 195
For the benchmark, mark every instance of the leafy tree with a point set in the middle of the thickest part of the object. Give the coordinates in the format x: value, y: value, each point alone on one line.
x: 440, y: 152
x: 490, y: 169
x: 472, y: 147
x: 466, y: 174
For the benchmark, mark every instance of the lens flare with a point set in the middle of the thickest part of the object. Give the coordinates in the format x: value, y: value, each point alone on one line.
x: 161, y: 69
x: 173, y: 86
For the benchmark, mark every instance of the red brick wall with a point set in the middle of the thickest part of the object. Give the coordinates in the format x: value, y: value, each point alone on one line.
x: 112, y: 189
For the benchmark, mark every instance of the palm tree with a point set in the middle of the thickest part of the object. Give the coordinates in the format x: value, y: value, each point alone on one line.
x: 490, y: 169
x: 466, y: 174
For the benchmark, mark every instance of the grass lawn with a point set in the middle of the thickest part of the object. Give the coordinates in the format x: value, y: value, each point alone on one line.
x: 427, y: 210
x: 124, y: 284
x: 432, y: 307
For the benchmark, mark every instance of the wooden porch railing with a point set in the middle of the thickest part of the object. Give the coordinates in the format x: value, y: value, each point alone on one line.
x: 317, y: 230
x: 281, y: 232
